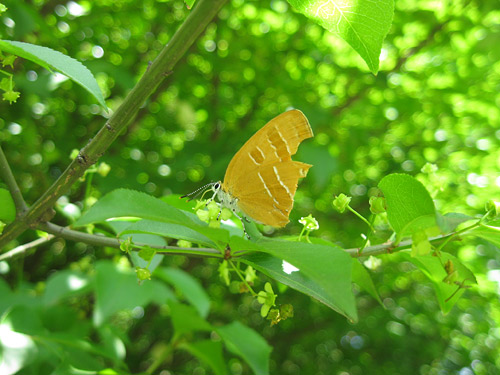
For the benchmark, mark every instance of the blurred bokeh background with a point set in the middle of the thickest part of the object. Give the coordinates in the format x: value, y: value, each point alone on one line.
x: 435, y: 100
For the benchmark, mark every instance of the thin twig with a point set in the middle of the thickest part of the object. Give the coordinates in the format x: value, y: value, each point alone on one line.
x: 22, y: 249
x: 9, y: 179
x: 99, y: 240
x: 387, y: 248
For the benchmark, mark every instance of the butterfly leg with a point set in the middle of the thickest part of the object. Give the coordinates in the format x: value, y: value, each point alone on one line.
x: 242, y: 223
x: 210, y: 200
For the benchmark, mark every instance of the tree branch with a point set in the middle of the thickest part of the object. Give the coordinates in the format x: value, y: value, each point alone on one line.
x: 22, y: 249
x: 388, y: 248
x: 99, y: 240
x: 191, y: 28
x: 9, y: 179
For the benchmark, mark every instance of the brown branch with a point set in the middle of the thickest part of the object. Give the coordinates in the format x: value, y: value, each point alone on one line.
x: 22, y: 249
x: 100, y: 240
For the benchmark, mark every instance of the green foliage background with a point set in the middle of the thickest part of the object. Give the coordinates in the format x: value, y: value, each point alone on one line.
x: 434, y: 100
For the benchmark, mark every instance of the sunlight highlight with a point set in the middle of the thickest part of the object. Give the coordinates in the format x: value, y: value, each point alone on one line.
x: 288, y: 268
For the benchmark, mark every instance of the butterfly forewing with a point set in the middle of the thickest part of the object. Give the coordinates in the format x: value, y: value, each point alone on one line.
x: 278, y: 140
x: 262, y: 175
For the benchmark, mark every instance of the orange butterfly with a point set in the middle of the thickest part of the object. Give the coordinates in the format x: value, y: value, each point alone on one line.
x: 261, y: 179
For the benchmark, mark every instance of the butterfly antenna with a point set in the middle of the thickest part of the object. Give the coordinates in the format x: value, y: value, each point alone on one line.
x: 196, y: 193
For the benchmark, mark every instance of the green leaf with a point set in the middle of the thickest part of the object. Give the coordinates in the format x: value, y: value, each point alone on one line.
x: 125, y: 203
x: 190, y: 287
x: 54, y: 60
x: 273, y: 267
x: 179, y: 232
x: 25, y: 320
x: 186, y: 319
x: 7, y: 207
x: 361, y: 23
x: 361, y: 276
x: 147, y: 254
x: 117, y: 288
x: 327, y: 266
x: 209, y: 352
x: 324, y: 271
x: 420, y: 244
x: 64, y: 284
x: 432, y: 267
x: 17, y: 350
x: 131, y: 203
x: 111, y: 339
x: 488, y: 233
x: 62, y: 318
x: 189, y: 3
x: 409, y: 206
x: 449, y: 222
x: 247, y: 344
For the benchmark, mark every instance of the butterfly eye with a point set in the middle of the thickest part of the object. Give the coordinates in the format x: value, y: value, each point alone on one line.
x: 217, y: 186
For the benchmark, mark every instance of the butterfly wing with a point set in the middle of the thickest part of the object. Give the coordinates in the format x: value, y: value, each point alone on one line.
x: 262, y: 175
x: 268, y: 194
x: 278, y: 140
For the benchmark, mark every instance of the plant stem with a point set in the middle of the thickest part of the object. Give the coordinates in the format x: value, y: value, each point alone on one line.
x: 361, y: 217
x: 88, y: 188
x: 387, y: 248
x: 301, y: 233
x: 92, y: 239
x: 22, y: 249
x: 367, y: 239
x: 191, y: 28
x: 475, y: 225
x: 243, y: 279
x: 9, y: 179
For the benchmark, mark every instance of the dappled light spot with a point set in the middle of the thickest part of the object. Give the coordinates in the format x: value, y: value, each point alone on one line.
x: 288, y: 268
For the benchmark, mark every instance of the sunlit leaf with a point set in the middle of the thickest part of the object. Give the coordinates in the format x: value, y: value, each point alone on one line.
x: 448, y: 222
x: 324, y: 272
x: 433, y: 267
x: 55, y: 60
x: 489, y: 233
x: 410, y: 208
x: 64, y: 284
x: 361, y: 23
x: 17, y: 350
x: 126, y: 203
